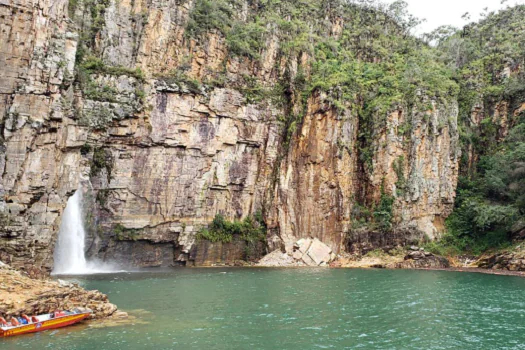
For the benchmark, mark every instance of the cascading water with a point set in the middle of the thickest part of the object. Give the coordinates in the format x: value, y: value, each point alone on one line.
x: 69, y: 255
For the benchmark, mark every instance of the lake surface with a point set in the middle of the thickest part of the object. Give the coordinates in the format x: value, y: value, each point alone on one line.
x: 301, y: 309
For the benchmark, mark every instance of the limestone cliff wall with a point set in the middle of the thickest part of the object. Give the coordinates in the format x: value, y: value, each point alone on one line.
x: 39, y: 160
x: 163, y: 155
x: 322, y: 184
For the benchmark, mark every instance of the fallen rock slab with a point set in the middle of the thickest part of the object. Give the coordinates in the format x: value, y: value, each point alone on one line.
x: 313, y: 252
x: 278, y: 259
x: 320, y: 252
x: 307, y: 252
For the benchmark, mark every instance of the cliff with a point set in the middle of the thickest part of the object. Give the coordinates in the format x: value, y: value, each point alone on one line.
x: 488, y: 57
x: 327, y: 119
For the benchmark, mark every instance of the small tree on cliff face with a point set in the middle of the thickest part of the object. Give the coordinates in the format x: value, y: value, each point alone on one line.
x: 209, y: 15
x: 399, y: 11
x: 383, y: 214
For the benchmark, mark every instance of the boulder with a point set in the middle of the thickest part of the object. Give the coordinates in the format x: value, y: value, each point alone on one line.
x: 420, y: 259
x: 278, y: 259
x: 307, y: 252
x: 308, y: 260
x: 319, y: 252
x: 303, y: 245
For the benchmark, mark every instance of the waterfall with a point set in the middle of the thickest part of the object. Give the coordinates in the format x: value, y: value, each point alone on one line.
x: 69, y: 255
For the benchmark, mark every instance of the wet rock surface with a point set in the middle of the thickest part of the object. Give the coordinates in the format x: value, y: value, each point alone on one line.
x: 236, y: 253
x: 20, y: 294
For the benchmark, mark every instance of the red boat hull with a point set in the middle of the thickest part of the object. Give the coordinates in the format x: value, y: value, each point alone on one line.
x: 45, y: 325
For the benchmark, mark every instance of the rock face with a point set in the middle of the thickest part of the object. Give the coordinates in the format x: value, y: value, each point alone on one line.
x: 511, y: 261
x: 236, y: 253
x: 20, y: 294
x: 321, y: 178
x: 39, y: 157
x: 163, y: 154
x: 279, y: 259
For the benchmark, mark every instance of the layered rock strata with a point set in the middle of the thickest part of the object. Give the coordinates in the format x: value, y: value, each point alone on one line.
x: 163, y: 154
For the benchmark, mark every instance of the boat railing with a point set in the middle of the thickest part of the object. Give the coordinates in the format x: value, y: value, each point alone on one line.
x: 4, y: 325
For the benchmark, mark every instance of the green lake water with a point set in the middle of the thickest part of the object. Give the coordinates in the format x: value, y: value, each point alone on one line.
x: 300, y: 309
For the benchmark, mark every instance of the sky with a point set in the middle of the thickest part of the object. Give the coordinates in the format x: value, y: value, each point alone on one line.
x: 442, y: 12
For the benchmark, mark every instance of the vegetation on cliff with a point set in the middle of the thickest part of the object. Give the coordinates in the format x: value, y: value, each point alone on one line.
x: 359, y: 55
x: 372, y: 66
x: 488, y: 59
x: 356, y: 61
x: 252, y: 229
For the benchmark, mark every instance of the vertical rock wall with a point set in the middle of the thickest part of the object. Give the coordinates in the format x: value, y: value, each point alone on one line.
x: 322, y: 182
x: 38, y: 161
x: 164, y: 157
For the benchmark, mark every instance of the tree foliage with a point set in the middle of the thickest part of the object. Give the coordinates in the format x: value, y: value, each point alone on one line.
x: 251, y: 229
x: 488, y: 59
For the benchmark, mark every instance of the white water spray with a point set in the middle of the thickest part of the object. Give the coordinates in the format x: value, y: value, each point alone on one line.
x: 69, y: 255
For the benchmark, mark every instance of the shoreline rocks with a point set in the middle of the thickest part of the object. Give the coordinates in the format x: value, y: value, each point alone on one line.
x: 397, y: 258
x: 421, y: 259
x: 20, y: 294
x: 502, y: 261
x: 306, y: 252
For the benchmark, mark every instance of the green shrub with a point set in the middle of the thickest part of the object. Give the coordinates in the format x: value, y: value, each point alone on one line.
x: 102, y: 197
x: 103, y: 93
x: 246, y: 39
x: 376, y: 253
x: 94, y: 65
x: 251, y: 229
x: 102, y: 159
x: 399, y: 168
x: 383, y: 213
x: 85, y: 149
x: 125, y: 234
x: 209, y: 15
x: 181, y: 79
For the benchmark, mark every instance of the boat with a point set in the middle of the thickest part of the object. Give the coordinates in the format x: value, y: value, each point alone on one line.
x: 25, y: 324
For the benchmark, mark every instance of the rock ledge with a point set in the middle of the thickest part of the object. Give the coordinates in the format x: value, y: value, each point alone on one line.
x: 20, y: 294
